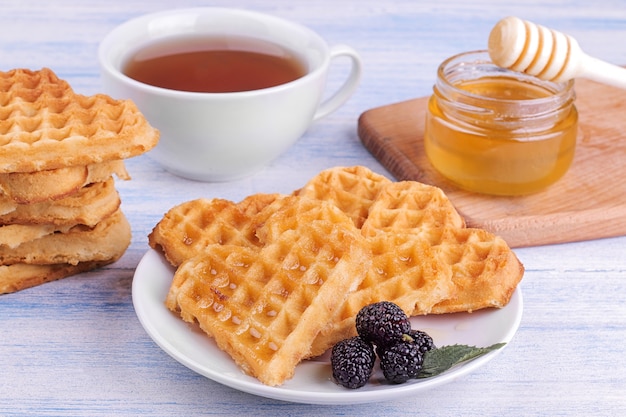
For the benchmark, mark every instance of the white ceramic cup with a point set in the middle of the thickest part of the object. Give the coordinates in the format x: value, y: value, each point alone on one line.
x: 223, y: 136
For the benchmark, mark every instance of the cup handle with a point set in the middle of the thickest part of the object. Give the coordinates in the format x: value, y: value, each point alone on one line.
x: 346, y: 90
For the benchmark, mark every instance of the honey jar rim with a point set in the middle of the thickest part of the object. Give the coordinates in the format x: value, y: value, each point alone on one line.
x: 559, y: 92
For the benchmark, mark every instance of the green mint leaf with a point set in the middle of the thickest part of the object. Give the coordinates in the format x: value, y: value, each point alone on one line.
x: 441, y: 359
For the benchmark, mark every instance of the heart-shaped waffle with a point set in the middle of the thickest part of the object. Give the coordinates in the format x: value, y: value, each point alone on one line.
x: 265, y: 305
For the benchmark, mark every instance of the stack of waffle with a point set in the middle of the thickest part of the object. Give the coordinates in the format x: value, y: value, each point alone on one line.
x: 59, y: 209
x: 275, y: 279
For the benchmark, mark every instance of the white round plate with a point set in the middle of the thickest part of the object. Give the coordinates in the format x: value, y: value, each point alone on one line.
x: 312, y: 382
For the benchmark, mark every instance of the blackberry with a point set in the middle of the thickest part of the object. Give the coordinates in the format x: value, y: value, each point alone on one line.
x: 382, y: 323
x: 352, y: 362
x: 401, y: 361
x: 422, y: 339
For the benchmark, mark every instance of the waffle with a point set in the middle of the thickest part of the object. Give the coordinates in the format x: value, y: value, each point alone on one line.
x: 256, y: 203
x: 402, y: 220
x: 45, y: 125
x: 264, y: 306
x: 410, y: 206
x: 107, y: 240
x: 287, y: 213
x: 405, y: 271
x: 424, y: 259
x: 485, y: 271
x: 188, y: 228
x: 352, y: 189
x: 18, y: 277
x: 59, y: 210
x: 14, y: 235
x: 418, y: 250
x: 88, y: 206
x: 35, y: 187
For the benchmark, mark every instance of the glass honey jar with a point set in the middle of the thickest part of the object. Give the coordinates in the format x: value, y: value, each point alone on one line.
x: 495, y: 131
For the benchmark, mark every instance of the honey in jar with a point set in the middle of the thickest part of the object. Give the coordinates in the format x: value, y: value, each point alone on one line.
x: 496, y: 131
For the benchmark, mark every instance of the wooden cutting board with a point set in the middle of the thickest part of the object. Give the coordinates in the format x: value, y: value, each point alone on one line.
x: 589, y: 202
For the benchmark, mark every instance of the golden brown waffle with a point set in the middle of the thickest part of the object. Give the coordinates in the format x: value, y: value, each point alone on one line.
x: 17, y: 277
x: 59, y: 210
x: 14, y: 235
x: 107, y: 240
x: 285, y: 214
x: 410, y: 206
x: 45, y: 125
x: 35, y: 187
x: 256, y: 203
x: 405, y: 271
x: 88, y: 206
x: 485, y: 271
x: 352, y: 189
x: 188, y: 228
x: 422, y: 256
x: 424, y: 259
x: 264, y: 306
x: 401, y: 221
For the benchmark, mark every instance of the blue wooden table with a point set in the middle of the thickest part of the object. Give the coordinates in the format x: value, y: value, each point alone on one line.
x: 76, y: 347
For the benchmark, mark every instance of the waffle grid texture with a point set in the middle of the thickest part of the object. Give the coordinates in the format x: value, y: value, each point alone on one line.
x: 415, y: 247
x: 45, y: 125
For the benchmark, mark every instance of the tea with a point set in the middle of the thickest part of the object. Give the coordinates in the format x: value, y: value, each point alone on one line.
x: 214, y: 64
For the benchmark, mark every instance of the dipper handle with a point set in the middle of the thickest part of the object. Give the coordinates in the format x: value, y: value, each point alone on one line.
x: 526, y: 47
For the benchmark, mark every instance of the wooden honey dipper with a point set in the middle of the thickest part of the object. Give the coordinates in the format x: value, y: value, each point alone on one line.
x: 526, y: 47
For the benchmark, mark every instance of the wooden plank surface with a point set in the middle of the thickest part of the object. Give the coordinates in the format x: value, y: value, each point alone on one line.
x: 589, y: 202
